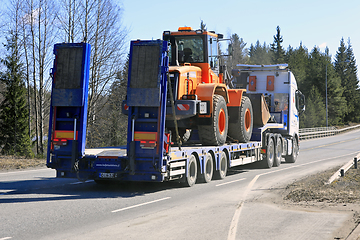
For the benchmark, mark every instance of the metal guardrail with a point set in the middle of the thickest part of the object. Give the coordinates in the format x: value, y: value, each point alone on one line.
x: 308, y: 133
x: 341, y: 172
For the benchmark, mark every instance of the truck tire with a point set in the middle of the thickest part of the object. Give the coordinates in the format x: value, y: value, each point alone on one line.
x: 208, y: 169
x: 295, y: 152
x: 241, y: 130
x: 278, y: 151
x: 191, y: 173
x: 223, y: 165
x: 268, y: 160
x: 216, y: 132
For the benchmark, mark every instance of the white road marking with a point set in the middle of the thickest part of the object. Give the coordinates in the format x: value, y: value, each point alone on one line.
x: 18, y: 172
x: 139, y: 205
x: 5, y: 238
x: 238, y: 180
x: 75, y: 183
x: 236, y: 217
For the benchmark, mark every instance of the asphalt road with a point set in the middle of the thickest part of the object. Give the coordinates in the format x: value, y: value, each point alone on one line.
x: 36, y: 205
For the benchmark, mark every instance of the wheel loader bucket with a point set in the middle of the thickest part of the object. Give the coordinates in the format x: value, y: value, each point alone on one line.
x: 261, y: 113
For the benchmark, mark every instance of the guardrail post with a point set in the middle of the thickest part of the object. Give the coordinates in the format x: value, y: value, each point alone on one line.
x: 342, y: 172
x: 355, y: 163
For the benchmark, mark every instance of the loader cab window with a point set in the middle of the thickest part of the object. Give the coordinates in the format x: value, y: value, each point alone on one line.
x: 190, y: 49
x: 213, y: 53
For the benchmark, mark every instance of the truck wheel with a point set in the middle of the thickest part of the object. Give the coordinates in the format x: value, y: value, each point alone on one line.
x: 242, y: 129
x: 216, y: 132
x: 209, y: 168
x: 295, y: 152
x: 191, y: 173
x: 278, y: 151
x: 268, y: 160
x: 221, y: 173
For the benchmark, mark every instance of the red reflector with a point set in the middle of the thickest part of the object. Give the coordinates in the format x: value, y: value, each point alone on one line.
x: 183, y: 107
x: 126, y: 107
x: 148, y: 144
x: 60, y: 142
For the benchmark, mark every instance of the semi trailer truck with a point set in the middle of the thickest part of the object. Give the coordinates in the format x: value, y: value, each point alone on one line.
x: 188, y: 119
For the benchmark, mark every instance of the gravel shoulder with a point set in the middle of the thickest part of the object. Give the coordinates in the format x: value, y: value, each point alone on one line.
x: 9, y: 163
x: 312, y: 194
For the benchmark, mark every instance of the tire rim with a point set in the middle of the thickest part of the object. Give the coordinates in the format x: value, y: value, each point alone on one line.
x: 222, y: 121
x: 271, y: 153
x: 208, y: 169
x: 192, y: 171
x: 247, y: 120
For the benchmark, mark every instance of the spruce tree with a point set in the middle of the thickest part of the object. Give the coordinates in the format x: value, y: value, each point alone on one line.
x: 14, y: 137
x: 259, y: 54
x: 315, y: 114
x: 316, y: 75
x: 203, y: 25
x: 345, y: 66
x: 278, y: 52
x: 298, y: 60
x: 239, y: 52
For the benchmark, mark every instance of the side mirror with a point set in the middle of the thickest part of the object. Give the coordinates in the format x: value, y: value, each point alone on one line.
x: 300, y: 101
x: 230, y: 49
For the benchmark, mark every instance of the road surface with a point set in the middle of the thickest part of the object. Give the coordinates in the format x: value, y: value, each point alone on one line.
x: 36, y: 205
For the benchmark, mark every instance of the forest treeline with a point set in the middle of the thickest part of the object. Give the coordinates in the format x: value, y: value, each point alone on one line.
x: 32, y: 27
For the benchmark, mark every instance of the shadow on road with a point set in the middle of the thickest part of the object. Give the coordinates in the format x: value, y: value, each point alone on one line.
x: 55, y: 189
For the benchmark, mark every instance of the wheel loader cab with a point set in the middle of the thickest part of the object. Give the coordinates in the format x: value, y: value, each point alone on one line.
x: 195, y: 48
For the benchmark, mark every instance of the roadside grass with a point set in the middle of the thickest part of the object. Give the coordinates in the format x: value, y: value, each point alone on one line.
x: 313, y: 188
x: 17, y: 162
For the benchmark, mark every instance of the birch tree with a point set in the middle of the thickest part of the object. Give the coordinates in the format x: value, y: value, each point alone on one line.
x: 97, y: 22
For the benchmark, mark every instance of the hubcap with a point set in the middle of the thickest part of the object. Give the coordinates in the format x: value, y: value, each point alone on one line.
x: 222, y: 121
x: 247, y: 120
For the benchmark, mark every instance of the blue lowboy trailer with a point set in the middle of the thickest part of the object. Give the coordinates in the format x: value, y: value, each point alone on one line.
x: 149, y: 154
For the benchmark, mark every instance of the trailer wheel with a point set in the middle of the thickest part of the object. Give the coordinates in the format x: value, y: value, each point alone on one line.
x: 295, y: 152
x: 223, y: 165
x: 268, y: 160
x: 191, y: 173
x: 216, y: 132
x: 241, y: 130
x: 278, y: 151
x: 208, y: 168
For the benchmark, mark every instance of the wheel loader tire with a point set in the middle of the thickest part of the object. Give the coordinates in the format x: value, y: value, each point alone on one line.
x: 216, y: 132
x: 242, y: 129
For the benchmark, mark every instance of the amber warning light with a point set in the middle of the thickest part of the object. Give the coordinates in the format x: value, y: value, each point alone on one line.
x: 185, y: 29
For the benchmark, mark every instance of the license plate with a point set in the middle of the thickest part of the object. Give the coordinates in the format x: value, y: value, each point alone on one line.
x: 107, y: 175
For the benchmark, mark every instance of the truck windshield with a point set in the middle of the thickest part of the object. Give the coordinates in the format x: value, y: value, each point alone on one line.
x: 190, y: 49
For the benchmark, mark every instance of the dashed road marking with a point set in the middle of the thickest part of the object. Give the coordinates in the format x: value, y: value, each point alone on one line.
x: 238, y: 180
x: 139, y: 205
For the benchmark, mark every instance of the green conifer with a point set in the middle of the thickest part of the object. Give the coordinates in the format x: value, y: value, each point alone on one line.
x: 14, y: 137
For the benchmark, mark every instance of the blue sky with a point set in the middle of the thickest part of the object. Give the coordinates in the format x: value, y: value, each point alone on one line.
x: 314, y: 23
